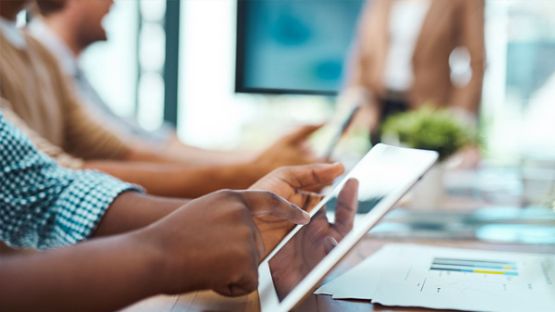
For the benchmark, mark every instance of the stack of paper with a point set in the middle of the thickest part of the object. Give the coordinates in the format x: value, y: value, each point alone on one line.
x: 447, y: 278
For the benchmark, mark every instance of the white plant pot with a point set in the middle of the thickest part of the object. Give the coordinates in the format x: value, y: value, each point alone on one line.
x: 429, y: 192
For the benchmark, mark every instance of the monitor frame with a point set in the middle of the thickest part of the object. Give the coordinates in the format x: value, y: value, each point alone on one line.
x: 240, y: 55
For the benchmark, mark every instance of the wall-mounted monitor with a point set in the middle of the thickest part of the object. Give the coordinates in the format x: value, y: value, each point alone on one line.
x: 294, y: 46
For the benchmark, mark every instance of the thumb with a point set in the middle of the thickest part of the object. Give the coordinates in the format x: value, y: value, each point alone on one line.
x: 347, y: 205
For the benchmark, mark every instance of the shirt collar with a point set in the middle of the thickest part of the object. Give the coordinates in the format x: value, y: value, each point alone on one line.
x: 67, y: 60
x: 12, y: 33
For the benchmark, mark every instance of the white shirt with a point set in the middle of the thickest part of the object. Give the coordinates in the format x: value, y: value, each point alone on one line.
x: 66, y: 59
x: 86, y: 91
x: 405, y: 22
x: 12, y: 33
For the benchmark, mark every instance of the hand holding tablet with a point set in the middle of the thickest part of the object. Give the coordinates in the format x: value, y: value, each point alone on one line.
x: 315, y: 241
x: 308, y: 252
x: 294, y: 184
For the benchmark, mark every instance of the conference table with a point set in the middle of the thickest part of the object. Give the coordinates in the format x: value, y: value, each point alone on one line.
x: 209, y: 301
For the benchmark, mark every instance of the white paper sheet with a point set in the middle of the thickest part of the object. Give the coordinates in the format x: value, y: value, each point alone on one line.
x: 358, y: 283
x: 447, y: 278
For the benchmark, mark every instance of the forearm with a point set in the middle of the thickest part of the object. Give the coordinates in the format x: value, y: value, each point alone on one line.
x: 180, y: 153
x: 192, y: 155
x: 131, y: 211
x: 179, y: 181
x: 100, y: 275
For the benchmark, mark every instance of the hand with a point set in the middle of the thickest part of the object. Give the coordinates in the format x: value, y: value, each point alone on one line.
x: 213, y: 243
x: 294, y: 184
x: 368, y: 118
x: 291, y: 149
x: 314, y: 241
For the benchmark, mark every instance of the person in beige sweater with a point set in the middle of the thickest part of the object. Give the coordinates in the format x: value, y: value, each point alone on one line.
x: 403, y: 55
x: 67, y: 28
x: 38, y: 94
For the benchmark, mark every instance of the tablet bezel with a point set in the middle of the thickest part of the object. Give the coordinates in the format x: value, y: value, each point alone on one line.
x: 268, y: 297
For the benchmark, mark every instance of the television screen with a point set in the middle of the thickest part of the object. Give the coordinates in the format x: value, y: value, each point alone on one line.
x: 294, y: 46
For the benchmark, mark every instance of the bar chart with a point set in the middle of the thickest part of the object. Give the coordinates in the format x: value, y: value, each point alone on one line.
x: 474, y: 266
x: 405, y: 275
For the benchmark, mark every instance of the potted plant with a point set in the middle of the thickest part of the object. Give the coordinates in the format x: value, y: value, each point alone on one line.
x: 431, y: 129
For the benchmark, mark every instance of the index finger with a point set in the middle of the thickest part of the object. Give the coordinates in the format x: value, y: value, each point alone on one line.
x: 263, y: 204
x: 309, y: 176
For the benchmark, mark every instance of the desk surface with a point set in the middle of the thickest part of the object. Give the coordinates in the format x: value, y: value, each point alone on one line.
x: 208, y: 301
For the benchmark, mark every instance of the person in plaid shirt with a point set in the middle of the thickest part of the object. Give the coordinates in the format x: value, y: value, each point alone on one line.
x: 143, y: 245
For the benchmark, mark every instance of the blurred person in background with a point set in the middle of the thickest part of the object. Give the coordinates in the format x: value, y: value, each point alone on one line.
x: 67, y: 28
x: 46, y: 108
x: 403, y: 54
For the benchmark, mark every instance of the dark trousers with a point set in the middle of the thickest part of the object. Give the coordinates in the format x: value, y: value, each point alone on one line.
x: 389, y: 107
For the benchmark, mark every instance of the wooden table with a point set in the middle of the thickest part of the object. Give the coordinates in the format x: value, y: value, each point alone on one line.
x: 208, y: 301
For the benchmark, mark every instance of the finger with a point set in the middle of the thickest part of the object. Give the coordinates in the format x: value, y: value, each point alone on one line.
x: 231, y: 290
x: 306, y: 200
x: 308, y: 176
x: 329, y: 244
x: 263, y: 204
x: 246, y: 278
x: 245, y: 285
x: 256, y: 243
x: 301, y: 134
x: 260, y: 248
x: 250, y: 278
x: 347, y: 205
x: 248, y: 284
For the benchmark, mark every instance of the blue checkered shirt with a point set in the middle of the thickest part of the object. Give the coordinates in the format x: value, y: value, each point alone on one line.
x: 43, y: 205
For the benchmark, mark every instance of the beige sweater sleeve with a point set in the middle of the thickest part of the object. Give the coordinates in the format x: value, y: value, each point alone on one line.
x: 86, y: 136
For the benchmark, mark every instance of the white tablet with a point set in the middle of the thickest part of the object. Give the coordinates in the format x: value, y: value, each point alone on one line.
x: 302, y: 259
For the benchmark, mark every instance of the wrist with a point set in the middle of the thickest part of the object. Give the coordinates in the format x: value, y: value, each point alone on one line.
x: 252, y: 171
x: 156, y: 272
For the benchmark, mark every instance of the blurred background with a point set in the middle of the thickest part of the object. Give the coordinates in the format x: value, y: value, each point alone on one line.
x: 231, y: 74
x: 198, y: 39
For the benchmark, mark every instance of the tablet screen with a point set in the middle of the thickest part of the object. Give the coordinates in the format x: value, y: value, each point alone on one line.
x: 384, y: 172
